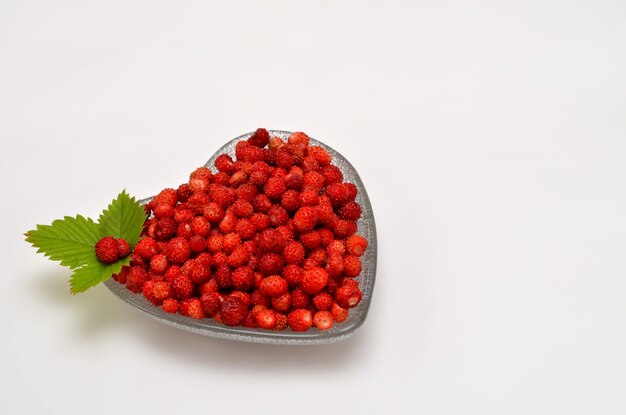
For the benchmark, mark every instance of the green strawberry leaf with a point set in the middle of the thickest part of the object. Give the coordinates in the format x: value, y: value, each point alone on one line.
x: 94, y: 273
x: 124, y: 218
x: 72, y: 241
x: 69, y: 240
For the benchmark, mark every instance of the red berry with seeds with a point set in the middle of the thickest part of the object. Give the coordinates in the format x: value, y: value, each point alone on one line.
x: 233, y: 311
x: 158, y: 264
x: 314, y: 280
x: 123, y: 248
x: 300, y: 320
x: 170, y: 305
x: 135, y: 279
x: 305, y: 218
x: 323, y: 320
x: 177, y: 250
x: 348, y: 296
x: 266, y: 319
x: 182, y: 286
x: 323, y: 301
x: 274, y: 286
x: 351, y: 266
x: 356, y: 245
x: 106, y: 250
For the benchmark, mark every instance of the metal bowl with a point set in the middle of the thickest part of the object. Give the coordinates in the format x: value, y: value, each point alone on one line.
x: 340, y: 331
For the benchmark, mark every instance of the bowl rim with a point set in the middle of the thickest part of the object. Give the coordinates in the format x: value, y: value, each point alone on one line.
x: 208, y: 327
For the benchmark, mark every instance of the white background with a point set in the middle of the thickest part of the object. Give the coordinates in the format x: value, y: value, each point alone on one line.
x: 491, y: 136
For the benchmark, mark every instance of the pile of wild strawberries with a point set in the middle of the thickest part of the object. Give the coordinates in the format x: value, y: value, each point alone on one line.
x: 267, y: 241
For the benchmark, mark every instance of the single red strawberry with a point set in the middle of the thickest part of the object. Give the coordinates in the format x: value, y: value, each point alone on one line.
x: 300, y: 320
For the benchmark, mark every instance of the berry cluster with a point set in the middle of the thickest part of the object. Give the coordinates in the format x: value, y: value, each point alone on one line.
x: 110, y: 250
x: 266, y: 240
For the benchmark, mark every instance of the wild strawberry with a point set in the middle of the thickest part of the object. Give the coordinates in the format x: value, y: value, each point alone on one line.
x: 258, y: 298
x: 286, y: 232
x: 310, y: 164
x: 250, y: 321
x: 319, y: 256
x: 274, y: 286
x: 183, y: 192
x: 293, y: 274
x: 284, y: 158
x: 260, y: 221
x: 220, y: 178
x: 135, y: 279
x: 350, y: 211
x: 177, y: 251
x: 200, y: 226
x: 215, y: 242
x: 223, y: 276
x: 106, y: 250
x: 266, y: 319
x: 165, y: 229
x: 242, y: 208
x: 356, y: 245
x: 319, y: 154
x: 309, y: 197
x: 351, y: 266
x: 238, y: 178
x: 313, y: 181
x: 274, y: 188
x: 331, y: 174
x: 199, y: 180
x: 281, y: 322
x: 261, y: 203
x: 326, y: 236
x: 228, y: 223
x: 305, y: 218
x: 197, y: 243
x: 198, y: 273
x: 123, y: 248
x: 183, y: 215
x: 233, y: 311
x: 270, y: 264
x: 260, y: 138
x: 172, y: 272
x: 222, y: 195
x: 336, y: 247
x: 334, y: 265
x: 121, y: 276
x: 290, y: 200
x: 275, y: 143
x: 323, y: 320
x: 240, y: 256
x: 192, y: 307
x: 323, y: 301
x: 245, y: 228
x: 242, y: 278
x: 224, y: 163
x: 184, y: 230
x: 282, y: 303
x: 230, y: 242
x: 300, y: 320
x: 339, y: 313
x: 293, y: 252
x: 147, y: 291
x: 338, y: 194
x: 270, y: 240
x: 314, y: 280
x: 170, y: 305
x: 300, y: 299
x: 158, y: 264
x: 162, y: 290
x: 299, y: 138
x: 210, y: 303
x: 213, y: 213
x: 220, y: 258
x: 209, y: 287
x: 348, y: 296
x: 167, y: 196
x: 294, y: 180
x: 311, y: 240
x: 182, y: 286
x: 344, y: 229
x: 326, y: 214
x: 278, y: 216
x: 162, y: 210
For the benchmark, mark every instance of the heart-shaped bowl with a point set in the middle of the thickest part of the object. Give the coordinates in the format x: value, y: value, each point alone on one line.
x: 340, y: 331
